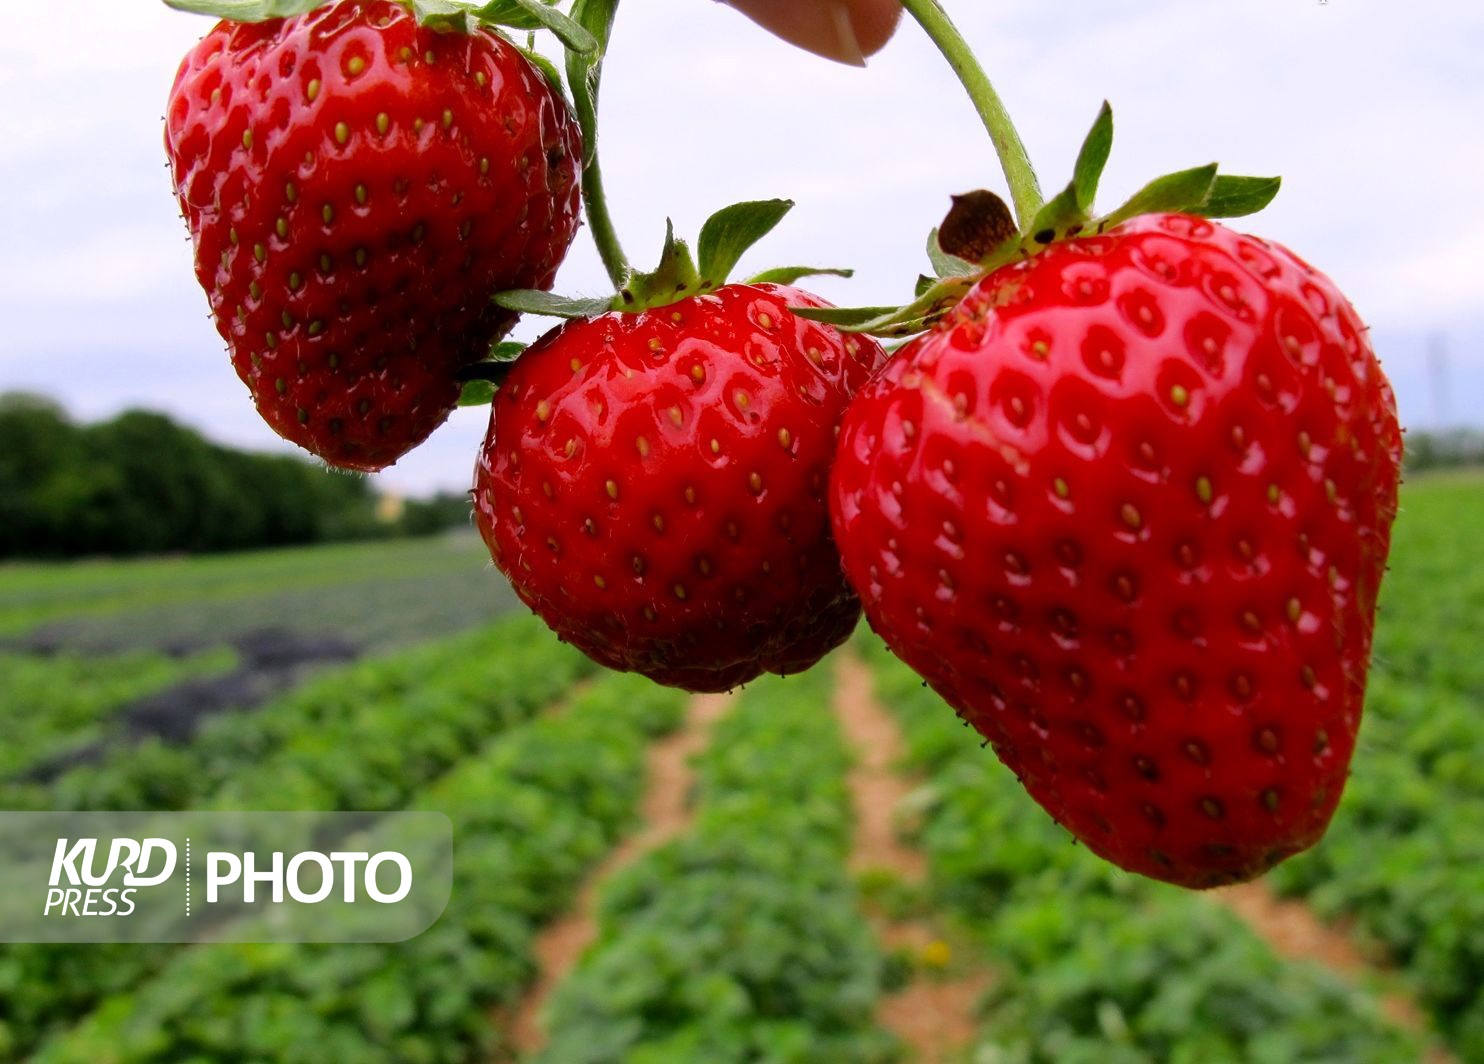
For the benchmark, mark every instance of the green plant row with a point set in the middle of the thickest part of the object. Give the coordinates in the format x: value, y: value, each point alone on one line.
x: 441, y: 695
x: 1404, y: 860
x: 33, y: 594
x: 532, y: 812
x: 365, y: 738
x: 1092, y: 964
x: 55, y: 704
x: 1432, y: 603
x: 742, y: 940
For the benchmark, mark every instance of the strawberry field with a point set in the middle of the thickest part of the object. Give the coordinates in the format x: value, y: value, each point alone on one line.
x: 744, y: 927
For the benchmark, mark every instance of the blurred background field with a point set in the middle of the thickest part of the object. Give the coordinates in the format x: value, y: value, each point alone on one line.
x: 646, y: 877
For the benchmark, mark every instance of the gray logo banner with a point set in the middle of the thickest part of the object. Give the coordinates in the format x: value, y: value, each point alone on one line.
x: 222, y: 876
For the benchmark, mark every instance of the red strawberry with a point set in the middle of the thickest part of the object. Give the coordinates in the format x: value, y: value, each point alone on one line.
x: 654, y: 485
x: 1127, y: 509
x: 357, y: 187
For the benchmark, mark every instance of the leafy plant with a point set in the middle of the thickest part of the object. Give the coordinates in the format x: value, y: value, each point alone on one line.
x: 1094, y: 965
x: 532, y: 812
x: 742, y: 941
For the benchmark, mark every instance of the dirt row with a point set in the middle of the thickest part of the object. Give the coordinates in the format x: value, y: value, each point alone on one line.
x: 1294, y: 932
x: 934, y: 1014
x: 936, y: 1017
x: 664, y: 815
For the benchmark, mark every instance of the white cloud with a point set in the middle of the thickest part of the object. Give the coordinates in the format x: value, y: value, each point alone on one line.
x: 127, y: 261
x: 1368, y: 108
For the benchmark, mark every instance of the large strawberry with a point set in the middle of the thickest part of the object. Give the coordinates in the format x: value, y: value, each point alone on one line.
x: 1127, y: 508
x: 654, y: 479
x: 358, y: 186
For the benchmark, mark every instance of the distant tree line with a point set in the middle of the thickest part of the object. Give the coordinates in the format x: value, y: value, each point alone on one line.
x: 426, y: 517
x: 141, y: 483
x: 1444, y: 449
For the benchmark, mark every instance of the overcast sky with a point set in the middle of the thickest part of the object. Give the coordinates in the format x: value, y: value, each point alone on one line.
x: 1370, y: 109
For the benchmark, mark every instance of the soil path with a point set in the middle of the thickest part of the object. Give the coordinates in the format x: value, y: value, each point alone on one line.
x: 1294, y: 932
x: 664, y: 814
x: 934, y: 1016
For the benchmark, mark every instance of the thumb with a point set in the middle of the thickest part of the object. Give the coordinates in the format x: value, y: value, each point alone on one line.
x: 843, y: 30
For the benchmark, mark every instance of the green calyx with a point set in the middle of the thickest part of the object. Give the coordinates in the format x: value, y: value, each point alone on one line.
x: 445, y: 15
x: 481, y: 380
x: 246, y: 10
x: 725, y: 238
x: 979, y: 235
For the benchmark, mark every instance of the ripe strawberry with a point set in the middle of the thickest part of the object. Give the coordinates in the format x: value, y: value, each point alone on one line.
x: 1127, y: 509
x: 357, y: 187
x: 654, y: 485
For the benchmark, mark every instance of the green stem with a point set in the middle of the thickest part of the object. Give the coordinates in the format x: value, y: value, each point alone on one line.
x: 584, y: 74
x: 1025, y: 190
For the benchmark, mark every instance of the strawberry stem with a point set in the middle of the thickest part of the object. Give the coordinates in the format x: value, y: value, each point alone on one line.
x: 1025, y: 190
x: 584, y: 73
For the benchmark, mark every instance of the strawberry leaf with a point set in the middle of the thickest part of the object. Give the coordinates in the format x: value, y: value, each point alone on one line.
x: 531, y: 301
x: 1059, y: 217
x: 442, y: 15
x: 675, y: 275
x: 944, y: 264
x: 932, y: 304
x: 787, y: 275
x: 1092, y: 159
x: 1069, y: 210
x: 246, y: 10
x: 538, y: 14
x: 478, y: 393
x: 547, y: 68
x: 847, y: 319
x: 483, y: 379
x: 1187, y: 190
x: 729, y: 232
x: 1234, y: 197
x: 505, y: 351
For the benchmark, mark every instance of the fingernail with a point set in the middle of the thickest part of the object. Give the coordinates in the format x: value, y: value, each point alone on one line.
x: 848, y: 46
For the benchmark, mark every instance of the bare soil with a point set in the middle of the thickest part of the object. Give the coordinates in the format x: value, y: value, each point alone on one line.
x: 933, y: 1016
x: 1293, y: 931
x: 665, y: 813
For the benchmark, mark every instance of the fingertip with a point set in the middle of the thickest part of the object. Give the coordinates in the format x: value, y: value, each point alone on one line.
x: 846, y: 31
x: 874, y: 22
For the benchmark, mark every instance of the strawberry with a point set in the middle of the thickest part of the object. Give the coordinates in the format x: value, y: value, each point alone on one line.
x: 1127, y: 509
x: 653, y: 481
x: 357, y: 186
x: 653, y: 484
